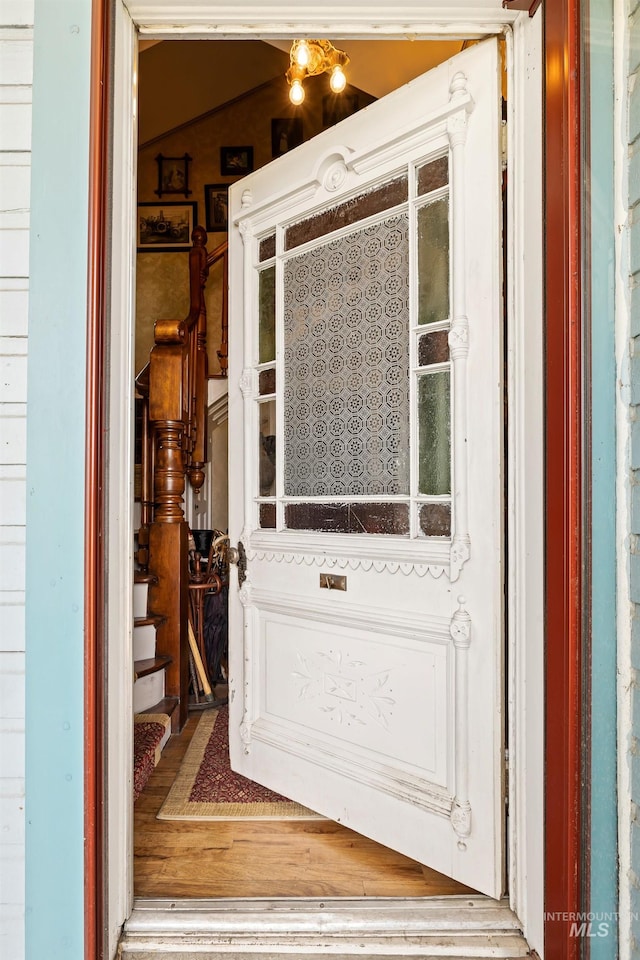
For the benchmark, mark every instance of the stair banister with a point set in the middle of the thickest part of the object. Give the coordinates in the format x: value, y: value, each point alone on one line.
x: 221, y: 253
x: 177, y: 426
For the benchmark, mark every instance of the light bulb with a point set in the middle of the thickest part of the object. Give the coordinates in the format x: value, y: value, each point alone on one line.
x: 296, y: 93
x: 338, y: 80
x: 302, y: 55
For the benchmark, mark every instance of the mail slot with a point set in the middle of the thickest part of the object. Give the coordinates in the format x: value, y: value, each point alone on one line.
x: 329, y: 581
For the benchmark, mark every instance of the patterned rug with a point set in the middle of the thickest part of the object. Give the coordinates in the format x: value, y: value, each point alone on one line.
x: 207, y: 789
x: 148, y: 731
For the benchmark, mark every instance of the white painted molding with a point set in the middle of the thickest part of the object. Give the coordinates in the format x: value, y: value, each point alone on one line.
x: 247, y: 383
x: 348, y: 162
x: 459, y: 333
x: 415, y: 19
x: 398, y: 779
x: 335, y: 176
x: 395, y: 622
x: 525, y: 476
x: 244, y: 228
x: 460, y: 553
x: 361, y: 765
x: 218, y: 412
x: 352, y: 551
x: 119, y: 490
x: 625, y: 226
x: 459, y: 338
x: 245, y: 594
x: 245, y: 735
x: 461, y: 808
x: 331, y: 170
x: 434, y: 125
x: 250, y: 662
x: 187, y: 925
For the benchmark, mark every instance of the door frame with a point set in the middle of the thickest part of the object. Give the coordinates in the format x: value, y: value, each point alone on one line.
x: 113, y: 167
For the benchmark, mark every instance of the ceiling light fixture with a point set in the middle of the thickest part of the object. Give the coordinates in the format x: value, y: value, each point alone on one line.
x: 308, y: 58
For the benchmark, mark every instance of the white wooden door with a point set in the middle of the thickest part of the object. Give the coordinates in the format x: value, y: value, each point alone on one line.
x: 366, y: 452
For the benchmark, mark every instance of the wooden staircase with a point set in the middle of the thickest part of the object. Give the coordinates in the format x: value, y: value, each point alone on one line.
x: 173, y: 389
x: 149, y: 693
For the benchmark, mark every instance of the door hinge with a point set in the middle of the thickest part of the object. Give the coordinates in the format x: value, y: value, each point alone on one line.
x: 503, y: 144
x: 505, y: 778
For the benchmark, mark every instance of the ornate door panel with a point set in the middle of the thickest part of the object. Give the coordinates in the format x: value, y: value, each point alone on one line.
x: 366, y: 472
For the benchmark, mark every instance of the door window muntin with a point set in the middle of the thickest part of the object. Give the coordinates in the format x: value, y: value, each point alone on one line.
x: 430, y: 514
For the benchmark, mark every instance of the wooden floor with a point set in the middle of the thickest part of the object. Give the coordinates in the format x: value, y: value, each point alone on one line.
x: 263, y: 859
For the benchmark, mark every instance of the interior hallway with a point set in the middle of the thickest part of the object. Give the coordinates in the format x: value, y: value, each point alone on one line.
x: 314, y: 858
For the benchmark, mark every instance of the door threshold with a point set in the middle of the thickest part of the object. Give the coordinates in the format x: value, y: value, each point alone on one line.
x: 455, y: 927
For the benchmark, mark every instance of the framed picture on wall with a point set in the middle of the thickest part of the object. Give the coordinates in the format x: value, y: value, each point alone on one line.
x: 286, y: 133
x: 216, y: 205
x: 236, y: 161
x: 166, y: 227
x: 173, y: 175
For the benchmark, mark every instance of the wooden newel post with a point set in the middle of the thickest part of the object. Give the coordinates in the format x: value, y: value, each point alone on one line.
x: 178, y: 420
x: 169, y: 474
x: 168, y: 534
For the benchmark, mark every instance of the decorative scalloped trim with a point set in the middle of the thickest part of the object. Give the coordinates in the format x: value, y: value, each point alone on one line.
x: 352, y: 563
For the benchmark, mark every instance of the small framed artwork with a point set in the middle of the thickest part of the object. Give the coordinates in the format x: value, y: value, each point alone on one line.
x: 166, y: 227
x: 286, y: 133
x: 173, y: 175
x: 337, y: 107
x: 216, y: 204
x: 236, y: 161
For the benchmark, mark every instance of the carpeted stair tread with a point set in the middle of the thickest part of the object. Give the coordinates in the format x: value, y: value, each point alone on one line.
x: 149, y: 730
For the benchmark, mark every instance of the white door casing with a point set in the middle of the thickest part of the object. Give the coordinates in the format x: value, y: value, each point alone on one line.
x: 381, y: 706
x: 525, y: 376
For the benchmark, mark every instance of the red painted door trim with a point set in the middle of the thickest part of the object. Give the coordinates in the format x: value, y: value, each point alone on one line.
x: 95, y: 804
x: 563, y: 478
x: 563, y: 484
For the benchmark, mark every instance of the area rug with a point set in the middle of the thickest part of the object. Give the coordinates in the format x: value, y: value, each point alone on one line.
x: 207, y: 789
x: 148, y: 732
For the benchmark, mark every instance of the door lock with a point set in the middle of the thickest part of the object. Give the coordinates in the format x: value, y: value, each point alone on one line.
x: 238, y: 556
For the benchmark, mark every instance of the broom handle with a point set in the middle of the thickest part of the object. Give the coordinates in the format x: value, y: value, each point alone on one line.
x: 194, y: 679
x: 197, y: 659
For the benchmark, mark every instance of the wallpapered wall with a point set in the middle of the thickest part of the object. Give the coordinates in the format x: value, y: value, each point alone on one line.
x: 162, y: 278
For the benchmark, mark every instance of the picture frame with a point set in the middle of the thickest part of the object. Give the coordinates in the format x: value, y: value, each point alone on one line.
x: 216, y: 205
x: 337, y: 107
x: 236, y: 161
x: 173, y: 175
x: 286, y: 133
x: 166, y: 227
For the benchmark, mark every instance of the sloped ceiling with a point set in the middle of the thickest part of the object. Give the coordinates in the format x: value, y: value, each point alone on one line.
x: 182, y: 79
x: 380, y: 66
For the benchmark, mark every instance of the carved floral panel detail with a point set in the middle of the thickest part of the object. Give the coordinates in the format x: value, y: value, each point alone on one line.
x: 346, y: 690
